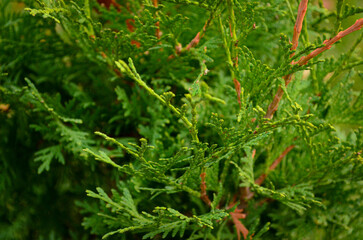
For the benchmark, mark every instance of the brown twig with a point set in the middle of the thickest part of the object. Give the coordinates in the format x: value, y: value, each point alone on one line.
x: 237, y: 87
x: 246, y: 193
x: 195, y: 41
x: 157, y: 24
x: 201, y: 34
x: 303, y: 6
x: 263, y: 176
x: 236, y: 216
x: 203, y: 190
x: 272, y: 108
x: 234, y: 52
x: 328, y: 43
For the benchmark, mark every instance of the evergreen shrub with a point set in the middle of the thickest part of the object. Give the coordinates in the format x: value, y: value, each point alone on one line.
x: 181, y: 119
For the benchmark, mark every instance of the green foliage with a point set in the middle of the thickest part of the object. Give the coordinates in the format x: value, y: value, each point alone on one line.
x: 165, y: 220
x: 170, y: 98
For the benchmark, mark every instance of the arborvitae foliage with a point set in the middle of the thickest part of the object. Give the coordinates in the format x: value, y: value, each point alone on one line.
x: 214, y: 119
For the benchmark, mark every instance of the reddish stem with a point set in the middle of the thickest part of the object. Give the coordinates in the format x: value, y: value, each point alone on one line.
x: 237, y: 87
x: 236, y: 216
x: 272, y: 108
x: 157, y: 24
x: 303, y: 6
x: 253, y: 153
x: 203, y: 190
x: 328, y: 43
x: 194, y: 42
x: 262, y: 178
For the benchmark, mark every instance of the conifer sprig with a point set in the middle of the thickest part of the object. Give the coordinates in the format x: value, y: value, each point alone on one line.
x: 263, y: 176
x: 177, y: 157
x: 131, y: 72
x: 305, y: 59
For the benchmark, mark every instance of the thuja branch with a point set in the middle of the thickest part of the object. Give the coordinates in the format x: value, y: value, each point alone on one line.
x: 87, y: 11
x: 263, y: 176
x: 138, y: 155
x: 135, y: 76
x: 157, y: 24
x: 328, y: 43
x: 347, y: 56
x: 295, y: 42
x: 240, y: 228
x: 184, y: 188
x: 225, y: 42
x: 339, y: 15
x: 305, y: 59
x: 247, y: 194
x: 232, y: 55
x: 123, y: 147
x: 203, y: 189
x: 195, y: 41
x: 165, y: 100
x: 303, y: 6
x: 232, y: 26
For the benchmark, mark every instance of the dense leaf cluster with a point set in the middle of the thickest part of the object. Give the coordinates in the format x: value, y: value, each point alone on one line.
x: 157, y: 111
